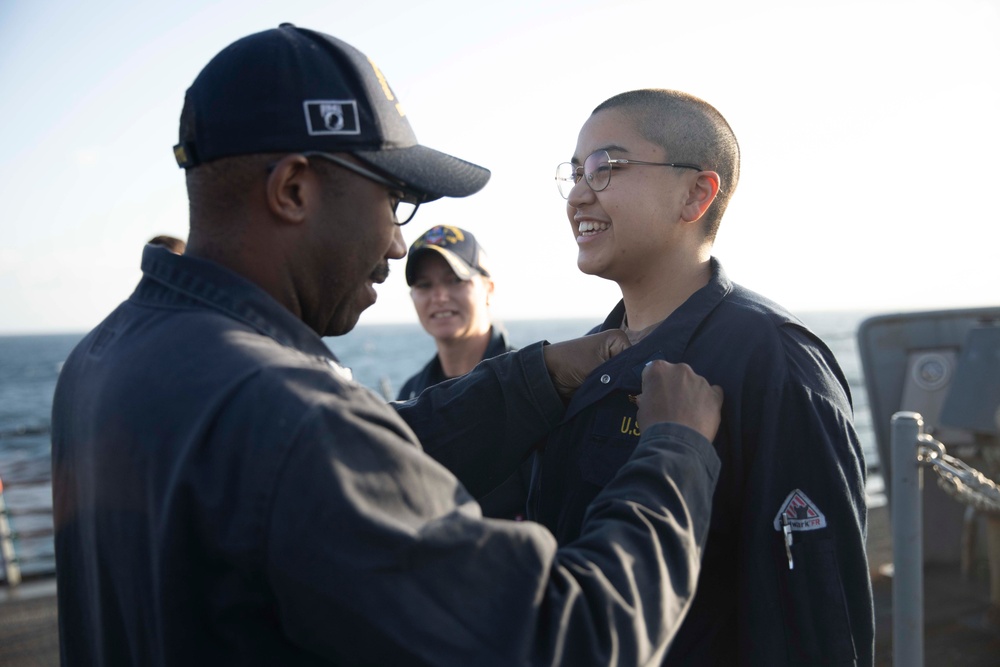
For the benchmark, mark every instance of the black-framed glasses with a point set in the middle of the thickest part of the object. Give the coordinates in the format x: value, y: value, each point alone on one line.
x: 597, y: 170
x: 406, y: 204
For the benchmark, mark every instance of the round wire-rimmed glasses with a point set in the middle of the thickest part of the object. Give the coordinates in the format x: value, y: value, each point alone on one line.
x: 597, y: 170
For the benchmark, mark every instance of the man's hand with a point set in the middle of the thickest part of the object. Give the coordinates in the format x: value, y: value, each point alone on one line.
x: 675, y: 393
x: 571, y: 361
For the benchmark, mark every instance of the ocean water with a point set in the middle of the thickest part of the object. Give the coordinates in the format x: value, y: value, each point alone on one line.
x: 382, y: 357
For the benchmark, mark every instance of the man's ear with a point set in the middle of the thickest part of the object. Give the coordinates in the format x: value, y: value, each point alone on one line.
x: 490, y: 287
x: 701, y: 194
x: 291, y: 189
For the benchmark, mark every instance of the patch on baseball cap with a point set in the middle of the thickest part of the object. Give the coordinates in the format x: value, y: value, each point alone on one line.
x: 332, y: 117
x: 461, y: 250
x: 290, y: 89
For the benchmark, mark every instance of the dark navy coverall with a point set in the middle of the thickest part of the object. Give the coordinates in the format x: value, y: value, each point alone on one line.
x: 224, y: 495
x: 788, y: 449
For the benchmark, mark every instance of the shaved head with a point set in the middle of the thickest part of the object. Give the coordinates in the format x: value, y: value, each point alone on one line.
x: 689, y: 130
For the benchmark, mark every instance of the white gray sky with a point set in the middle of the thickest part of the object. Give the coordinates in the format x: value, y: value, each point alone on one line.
x: 868, y: 133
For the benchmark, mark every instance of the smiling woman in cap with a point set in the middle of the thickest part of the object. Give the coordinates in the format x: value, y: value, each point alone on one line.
x: 451, y: 290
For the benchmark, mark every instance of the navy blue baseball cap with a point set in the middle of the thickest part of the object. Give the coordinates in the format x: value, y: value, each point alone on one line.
x: 459, y: 248
x: 290, y: 89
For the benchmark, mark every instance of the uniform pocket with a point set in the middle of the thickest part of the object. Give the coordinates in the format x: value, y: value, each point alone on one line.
x: 613, y: 438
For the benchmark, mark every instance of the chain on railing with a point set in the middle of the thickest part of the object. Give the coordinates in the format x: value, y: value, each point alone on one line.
x: 958, y: 479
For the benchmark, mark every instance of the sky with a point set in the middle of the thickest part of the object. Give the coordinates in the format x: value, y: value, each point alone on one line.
x: 868, y: 133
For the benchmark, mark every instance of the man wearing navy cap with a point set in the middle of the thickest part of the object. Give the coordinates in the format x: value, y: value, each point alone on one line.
x: 224, y: 494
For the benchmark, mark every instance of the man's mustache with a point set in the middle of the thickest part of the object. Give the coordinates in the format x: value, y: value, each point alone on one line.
x: 380, y: 273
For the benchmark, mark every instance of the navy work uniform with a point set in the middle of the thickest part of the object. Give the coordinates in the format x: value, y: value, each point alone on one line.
x: 785, y: 577
x: 223, y: 494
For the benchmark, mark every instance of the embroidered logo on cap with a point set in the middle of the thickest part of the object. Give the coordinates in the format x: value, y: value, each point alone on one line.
x: 802, y: 513
x: 441, y: 235
x: 332, y: 117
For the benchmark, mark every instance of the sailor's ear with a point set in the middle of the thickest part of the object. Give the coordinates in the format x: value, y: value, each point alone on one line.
x: 490, y: 287
x: 702, y: 191
x: 292, y: 188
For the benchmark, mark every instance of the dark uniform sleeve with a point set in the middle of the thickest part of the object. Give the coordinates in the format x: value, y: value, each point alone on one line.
x: 376, y: 555
x: 806, y: 591
x: 482, y: 425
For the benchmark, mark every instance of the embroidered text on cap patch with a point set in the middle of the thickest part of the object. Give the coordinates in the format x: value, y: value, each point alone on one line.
x: 332, y: 117
x: 802, y: 513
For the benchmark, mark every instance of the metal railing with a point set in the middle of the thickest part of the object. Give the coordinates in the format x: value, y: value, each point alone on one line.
x: 12, y: 535
x: 913, y: 450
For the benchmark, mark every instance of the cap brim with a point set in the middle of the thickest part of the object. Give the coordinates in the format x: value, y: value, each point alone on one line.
x: 457, y: 264
x: 429, y: 172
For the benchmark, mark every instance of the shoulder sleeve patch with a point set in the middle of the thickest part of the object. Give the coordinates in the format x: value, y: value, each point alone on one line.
x: 801, y: 513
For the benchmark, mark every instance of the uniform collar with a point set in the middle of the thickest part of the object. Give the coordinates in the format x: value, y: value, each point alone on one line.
x: 171, y: 278
x: 668, y: 341
x: 499, y: 341
x: 433, y: 373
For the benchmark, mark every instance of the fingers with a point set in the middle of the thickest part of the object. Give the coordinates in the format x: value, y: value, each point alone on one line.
x: 616, y: 342
x: 675, y: 393
x: 569, y: 362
